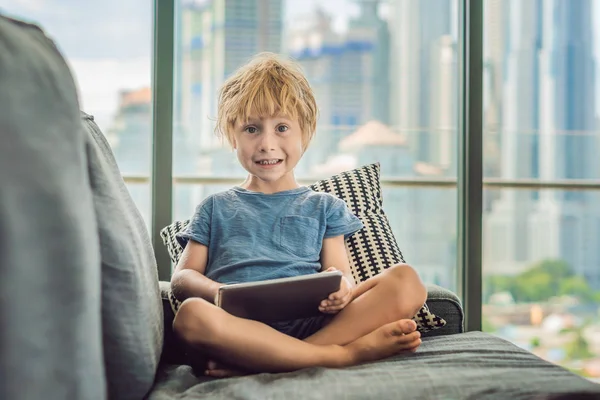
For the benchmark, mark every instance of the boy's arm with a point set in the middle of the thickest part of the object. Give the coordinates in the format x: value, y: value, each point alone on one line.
x: 333, y: 254
x: 188, y: 280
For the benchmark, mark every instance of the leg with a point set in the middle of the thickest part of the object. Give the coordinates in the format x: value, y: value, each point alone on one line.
x: 395, y: 294
x: 254, y: 346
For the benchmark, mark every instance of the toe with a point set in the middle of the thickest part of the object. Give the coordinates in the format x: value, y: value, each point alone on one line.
x: 407, y: 326
x: 403, y: 327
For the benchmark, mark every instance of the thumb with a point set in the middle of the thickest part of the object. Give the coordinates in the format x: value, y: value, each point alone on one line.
x: 331, y: 269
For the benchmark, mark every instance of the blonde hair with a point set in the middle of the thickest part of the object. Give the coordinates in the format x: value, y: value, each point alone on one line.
x: 266, y: 86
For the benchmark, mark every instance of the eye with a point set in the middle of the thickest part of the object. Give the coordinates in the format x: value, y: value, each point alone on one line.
x: 251, y: 129
x: 282, y: 128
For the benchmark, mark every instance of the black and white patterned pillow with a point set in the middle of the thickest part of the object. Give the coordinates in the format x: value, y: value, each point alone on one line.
x: 370, y: 250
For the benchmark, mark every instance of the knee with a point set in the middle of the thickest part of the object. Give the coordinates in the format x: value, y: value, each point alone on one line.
x: 407, y: 284
x: 196, y: 323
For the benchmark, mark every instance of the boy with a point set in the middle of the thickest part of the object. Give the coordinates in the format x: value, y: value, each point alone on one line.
x: 271, y: 227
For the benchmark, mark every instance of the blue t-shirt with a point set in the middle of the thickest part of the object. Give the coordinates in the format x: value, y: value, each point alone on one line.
x: 254, y: 236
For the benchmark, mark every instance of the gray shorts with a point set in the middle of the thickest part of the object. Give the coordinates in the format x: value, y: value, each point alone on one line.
x: 302, y: 328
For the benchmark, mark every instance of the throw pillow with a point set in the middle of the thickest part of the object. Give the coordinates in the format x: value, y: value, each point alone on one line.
x: 370, y: 250
x: 132, y: 313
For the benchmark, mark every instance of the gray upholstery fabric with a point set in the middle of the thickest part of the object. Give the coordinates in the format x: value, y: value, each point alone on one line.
x: 466, y: 366
x: 132, y: 314
x: 50, y: 324
x: 447, y: 305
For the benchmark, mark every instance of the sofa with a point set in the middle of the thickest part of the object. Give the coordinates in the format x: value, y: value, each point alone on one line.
x: 84, y: 315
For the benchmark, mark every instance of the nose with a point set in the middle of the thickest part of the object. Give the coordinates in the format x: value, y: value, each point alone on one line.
x: 268, y: 141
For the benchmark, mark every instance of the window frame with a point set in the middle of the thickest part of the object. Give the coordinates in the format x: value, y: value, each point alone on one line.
x: 470, y: 147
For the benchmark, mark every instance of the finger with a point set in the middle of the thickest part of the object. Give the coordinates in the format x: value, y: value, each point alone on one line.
x: 335, y: 302
x: 331, y: 303
x: 328, y: 308
x: 340, y: 294
x: 325, y: 304
x: 331, y: 269
x: 335, y: 308
x: 345, y: 299
x: 333, y: 299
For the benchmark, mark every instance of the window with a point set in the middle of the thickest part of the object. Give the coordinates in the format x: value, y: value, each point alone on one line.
x: 108, y: 48
x: 386, y: 78
x: 385, y: 75
x: 541, y: 261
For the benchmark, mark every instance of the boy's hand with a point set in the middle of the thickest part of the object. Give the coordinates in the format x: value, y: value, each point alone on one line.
x: 338, y: 300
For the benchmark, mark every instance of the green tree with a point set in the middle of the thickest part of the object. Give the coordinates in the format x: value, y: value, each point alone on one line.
x: 536, y: 286
x: 556, y: 271
x: 542, y: 281
x: 578, y: 349
x: 559, y: 269
x: 577, y: 286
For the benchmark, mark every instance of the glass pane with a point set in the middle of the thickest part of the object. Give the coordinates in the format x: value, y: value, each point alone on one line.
x: 108, y: 48
x: 541, y: 258
x: 385, y: 76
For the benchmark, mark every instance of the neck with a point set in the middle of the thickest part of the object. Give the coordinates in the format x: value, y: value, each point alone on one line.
x: 255, y: 184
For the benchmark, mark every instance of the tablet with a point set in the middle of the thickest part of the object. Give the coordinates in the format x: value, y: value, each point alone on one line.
x: 279, y: 299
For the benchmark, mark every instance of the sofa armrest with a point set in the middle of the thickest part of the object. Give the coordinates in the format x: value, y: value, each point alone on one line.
x: 173, y: 352
x: 445, y: 304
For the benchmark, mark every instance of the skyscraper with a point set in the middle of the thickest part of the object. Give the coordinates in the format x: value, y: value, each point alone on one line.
x: 214, y: 38
x: 418, y: 42
x: 549, y: 133
x: 506, y: 241
x: 348, y: 72
x: 219, y: 36
x: 566, y: 224
x: 493, y: 81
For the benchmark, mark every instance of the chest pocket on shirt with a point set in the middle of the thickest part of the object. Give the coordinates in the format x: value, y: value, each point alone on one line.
x: 300, y: 235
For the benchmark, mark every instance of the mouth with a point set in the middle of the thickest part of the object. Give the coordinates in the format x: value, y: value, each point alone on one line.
x: 269, y: 163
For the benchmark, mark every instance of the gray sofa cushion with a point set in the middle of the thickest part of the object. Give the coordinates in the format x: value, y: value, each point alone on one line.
x: 132, y: 315
x: 50, y: 341
x: 467, y: 366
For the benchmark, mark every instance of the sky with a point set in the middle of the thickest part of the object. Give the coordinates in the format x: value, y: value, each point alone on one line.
x: 108, y: 43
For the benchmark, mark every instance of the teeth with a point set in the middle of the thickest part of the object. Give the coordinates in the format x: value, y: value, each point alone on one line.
x: 265, y: 162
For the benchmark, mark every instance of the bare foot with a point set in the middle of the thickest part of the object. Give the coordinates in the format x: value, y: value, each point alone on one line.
x: 393, y: 338
x: 219, y: 370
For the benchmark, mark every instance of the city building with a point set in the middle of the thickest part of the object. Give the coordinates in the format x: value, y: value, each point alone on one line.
x: 566, y: 224
x: 349, y: 72
x: 130, y: 136
x: 217, y: 37
x: 507, y: 240
x: 548, y: 124
x: 421, y: 74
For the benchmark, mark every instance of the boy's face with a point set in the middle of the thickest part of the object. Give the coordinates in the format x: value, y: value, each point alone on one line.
x: 269, y: 148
